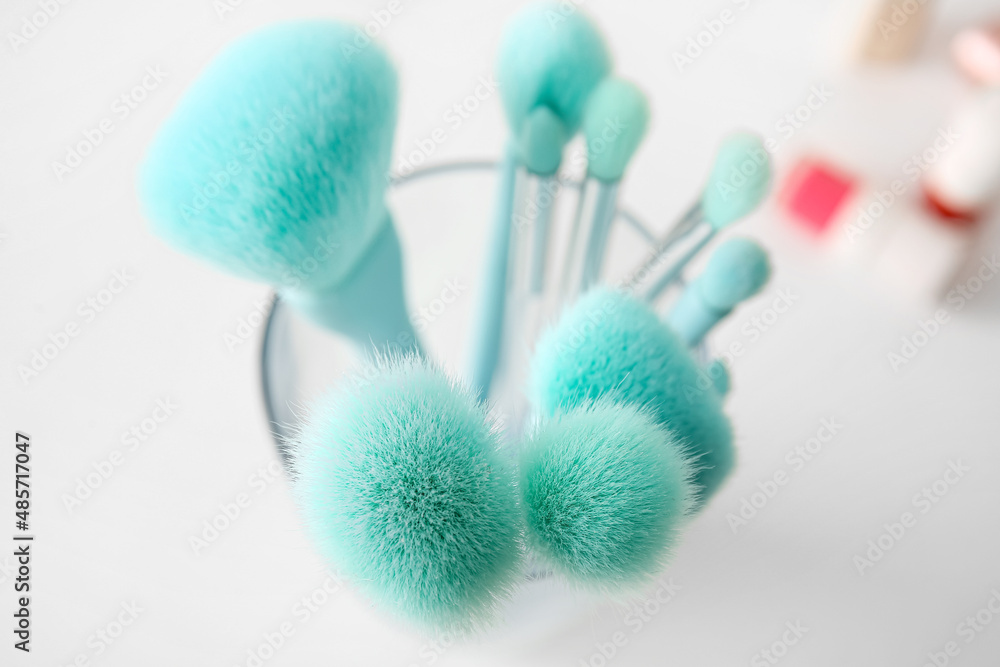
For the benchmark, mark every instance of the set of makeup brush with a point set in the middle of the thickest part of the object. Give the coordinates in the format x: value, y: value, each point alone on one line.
x: 405, y: 481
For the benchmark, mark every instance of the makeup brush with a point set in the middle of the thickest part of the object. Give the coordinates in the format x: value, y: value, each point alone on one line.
x: 614, y: 122
x: 605, y: 489
x: 540, y: 147
x: 737, y: 270
x: 542, y: 64
x: 552, y: 60
x: 273, y: 167
x: 611, y: 344
x: 401, y: 482
x: 739, y: 181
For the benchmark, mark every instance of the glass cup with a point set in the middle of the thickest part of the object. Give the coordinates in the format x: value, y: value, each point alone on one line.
x: 300, y: 361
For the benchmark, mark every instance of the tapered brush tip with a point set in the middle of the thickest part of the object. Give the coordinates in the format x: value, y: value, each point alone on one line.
x: 737, y: 270
x: 739, y: 180
x: 541, y: 141
x: 614, y: 122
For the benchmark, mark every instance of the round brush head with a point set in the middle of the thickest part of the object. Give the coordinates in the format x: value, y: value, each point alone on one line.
x: 737, y: 270
x: 605, y: 490
x: 614, y: 123
x: 402, y: 484
x: 273, y: 165
x: 739, y: 180
x: 549, y: 58
x: 610, y: 344
x: 540, y: 142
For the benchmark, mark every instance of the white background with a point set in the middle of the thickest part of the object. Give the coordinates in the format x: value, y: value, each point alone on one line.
x: 162, y: 337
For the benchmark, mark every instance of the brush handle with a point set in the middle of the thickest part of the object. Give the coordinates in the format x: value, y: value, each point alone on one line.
x: 586, y: 241
x: 492, y: 302
x: 673, y: 273
x: 677, y: 232
x: 522, y: 311
x: 545, y: 198
x: 539, y: 303
x: 605, y: 206
x: 369, y: 306
x: 575, y: 253
x: 526, y: 308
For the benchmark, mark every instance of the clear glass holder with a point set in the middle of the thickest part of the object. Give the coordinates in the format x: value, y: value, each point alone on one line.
x: 300, y: 362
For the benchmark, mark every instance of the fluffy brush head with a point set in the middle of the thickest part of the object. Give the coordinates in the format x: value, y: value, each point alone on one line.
x: 273, y: 164
x: 737, y: 270
x: 739, y: 180
x: 550, y: 57
x: 614, y: 123
x: 605, y: 490
x: 610, y: 344
x: 402, y: 484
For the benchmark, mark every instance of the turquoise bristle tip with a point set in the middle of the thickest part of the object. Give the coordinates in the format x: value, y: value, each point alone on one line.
x: 550, y: 57
x: 273, y: 165
x: 610, y: 344
x: 540, y: 143
x: 737, y: 270
x: 739, y: 180
x: 614, y: 123
x: 402, y: 483
x: 605, y: 490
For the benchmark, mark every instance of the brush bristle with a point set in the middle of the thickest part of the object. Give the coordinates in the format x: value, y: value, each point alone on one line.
x: 402, y: 483
x: 273, y: 165
x: 550, y: 57
x: 737, y: 270
x: 614, y: 123
x: 605, y: 491
x: 610, y: 344
x: 739, y: 180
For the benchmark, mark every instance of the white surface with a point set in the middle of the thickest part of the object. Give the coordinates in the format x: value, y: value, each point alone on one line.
x: 163, y: 337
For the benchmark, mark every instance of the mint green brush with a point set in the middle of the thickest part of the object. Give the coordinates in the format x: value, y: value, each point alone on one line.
x: 739, y: 181
x: 403, y: 485
x: 540, y: 147
x: 614, y: 122
x: 272, y: 167
x: 542, y: 65
x: 605, y: 489
x: 737, y: 270
x: 611, y: 345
